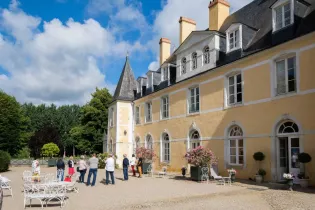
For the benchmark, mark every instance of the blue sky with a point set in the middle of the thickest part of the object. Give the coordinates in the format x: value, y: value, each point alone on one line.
x: 58, y: 51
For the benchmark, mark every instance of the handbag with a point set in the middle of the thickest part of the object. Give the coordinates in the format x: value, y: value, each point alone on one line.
x: 78, y: 168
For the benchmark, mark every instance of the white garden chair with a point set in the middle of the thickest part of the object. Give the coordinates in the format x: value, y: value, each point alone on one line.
x: 33, y: 192
x: 220, y: 179
x: 71, y: 186
x: 150, y: 170
x: 163, y: 172
x: 5, y: 184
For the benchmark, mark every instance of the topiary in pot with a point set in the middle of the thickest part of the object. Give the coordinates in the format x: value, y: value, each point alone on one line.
x: 259, y: 156
x: 304, y: 158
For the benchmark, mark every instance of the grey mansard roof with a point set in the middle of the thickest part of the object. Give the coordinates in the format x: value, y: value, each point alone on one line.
x: 126, y: 85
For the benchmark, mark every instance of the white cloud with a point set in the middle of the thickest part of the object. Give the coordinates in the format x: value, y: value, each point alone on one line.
x: 59, y: 64
x: 95, y: 7
x: 166, y: 21
x: 154, y: 65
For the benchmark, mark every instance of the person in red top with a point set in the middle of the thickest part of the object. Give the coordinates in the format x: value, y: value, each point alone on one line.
x: 71, y: 166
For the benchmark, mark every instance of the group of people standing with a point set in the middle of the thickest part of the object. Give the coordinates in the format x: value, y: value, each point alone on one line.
x: 92, y: 166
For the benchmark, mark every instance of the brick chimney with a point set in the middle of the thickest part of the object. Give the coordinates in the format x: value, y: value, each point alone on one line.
x: 219, y: 10
x: 186, y: 26
x: 165, y: 49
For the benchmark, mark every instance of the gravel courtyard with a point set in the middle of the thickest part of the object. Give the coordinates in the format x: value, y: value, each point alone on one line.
x: 164, y: 193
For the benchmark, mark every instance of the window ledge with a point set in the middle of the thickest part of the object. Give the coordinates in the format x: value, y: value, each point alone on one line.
x: 234, y: 105
x: 234, y: 49
x: 148, y: 123
x: 194, y: 113
x: 164, y: 119
x: 285, y: 95
x: 280, y: 29
x: 232, y: 164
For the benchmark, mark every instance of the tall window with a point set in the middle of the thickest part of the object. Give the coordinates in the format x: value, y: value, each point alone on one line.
x: 206, y: 55
x: 194, y: 139
x: 236, y: 145
x: 194, y: 100
x: 234, y: 39
x: 184, y: 63
x: 111, y: 117
x: 194, y: 60
x: 282, y: 16
x: 149, y: 142
x: 137, y: 115
x: 148, y: 112
x: 164, y: 107
x: 166, y: 147
x: 165, y: 73
x: 285, y: 76
x: 235, y: 89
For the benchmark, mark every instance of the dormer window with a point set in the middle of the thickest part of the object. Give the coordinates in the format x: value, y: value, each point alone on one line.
x: 165, y: 73
x: 194, y: 60
x: 234, y: 37
x: 282, y: 14
x: 206, y: 55
x: 183, y: 62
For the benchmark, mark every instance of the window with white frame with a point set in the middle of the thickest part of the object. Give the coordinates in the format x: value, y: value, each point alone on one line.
x: 194, y: 139
x: 164, y: 107
x: 282, y: 14
x: 149, y: 142
x: 194, y: 60
x: 183, y: 64
x: 166, y: 148
x: 193, y: 100
x: 285, y: 75
x: 235, y: 92
x: 236, y: 146
x: 137, y: 115
x: 165, y: 73
x: 234, y: 40
x: 148, y: 112
x: 206, y: 55
x: 111, y: 117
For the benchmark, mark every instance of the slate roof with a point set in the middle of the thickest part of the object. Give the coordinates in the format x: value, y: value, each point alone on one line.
x: 126, y: 85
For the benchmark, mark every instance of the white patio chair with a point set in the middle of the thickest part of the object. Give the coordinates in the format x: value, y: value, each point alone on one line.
x: 27, y: 173
x: 56, y: 191
x: 163, y: 172
x: 33, y: 192
x: 220, y: 179
x: 150, y: 170
x: 71, y: 186
x: 5, y: 184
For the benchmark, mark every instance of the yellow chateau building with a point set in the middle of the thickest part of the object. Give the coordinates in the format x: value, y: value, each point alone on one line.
x: 245, y: 84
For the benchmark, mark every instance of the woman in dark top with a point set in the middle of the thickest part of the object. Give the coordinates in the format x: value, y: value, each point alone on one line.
x: 139, y: 166
x: 60, y: 169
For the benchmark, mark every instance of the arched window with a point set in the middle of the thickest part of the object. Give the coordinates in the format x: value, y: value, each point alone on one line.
x: 206, y: 55
x: 110, y: 146
x: 236, y: 145
x: 136, y: 145
x: 149, y: 142
x: 184, y: 61
x: 194, y: 139
x: 194, y: 60
x: 288, y: 127
x: 165, y: 148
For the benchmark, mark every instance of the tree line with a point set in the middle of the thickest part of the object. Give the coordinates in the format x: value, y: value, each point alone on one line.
x: 25, y: 128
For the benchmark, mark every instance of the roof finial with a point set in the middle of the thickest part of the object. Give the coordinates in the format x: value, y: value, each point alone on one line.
x: 127, y: 53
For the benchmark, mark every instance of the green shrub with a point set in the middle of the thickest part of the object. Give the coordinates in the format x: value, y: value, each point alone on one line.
x: 4, y: 161
x: 259, y: 156
x: 101, y: 158
x: 50, y: 150
x: 261, y: 172
x: 24, y: 153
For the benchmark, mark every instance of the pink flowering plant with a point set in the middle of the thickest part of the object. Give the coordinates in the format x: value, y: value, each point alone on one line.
x: 201, y: 156
x: 147, y: 155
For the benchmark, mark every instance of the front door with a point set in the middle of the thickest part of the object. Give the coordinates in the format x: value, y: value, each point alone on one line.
x: 289, y: 148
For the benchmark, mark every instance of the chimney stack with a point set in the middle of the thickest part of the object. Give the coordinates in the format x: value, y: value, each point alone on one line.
x: 186, y: 26
x: 165, y: 49
x: 219, y: 10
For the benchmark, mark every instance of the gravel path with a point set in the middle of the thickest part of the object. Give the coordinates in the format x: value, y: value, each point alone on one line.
x: 166, y: 193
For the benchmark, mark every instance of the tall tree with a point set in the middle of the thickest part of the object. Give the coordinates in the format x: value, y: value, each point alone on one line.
x: 93, y: 122
x: 10, y: 123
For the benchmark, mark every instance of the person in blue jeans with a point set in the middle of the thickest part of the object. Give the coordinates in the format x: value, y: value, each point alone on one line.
x: 110, y: 167
x: 60, y: 170
x: 93, y: 163
x: 125, y: 167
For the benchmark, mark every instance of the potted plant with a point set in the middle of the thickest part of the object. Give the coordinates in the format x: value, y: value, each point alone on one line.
x: 232, y: 173
x: 259, y: 156
x: 303, y: 179
x: 148, y: 157
x: 184, y: 169
x: 50, y: 150
x: 198, y: 158
x: 289, y: 177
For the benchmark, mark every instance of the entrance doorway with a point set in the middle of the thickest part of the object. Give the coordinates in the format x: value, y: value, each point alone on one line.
x: 289, y: 147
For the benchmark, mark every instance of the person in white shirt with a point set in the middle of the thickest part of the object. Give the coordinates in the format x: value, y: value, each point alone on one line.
x: 133, y: 163
x: 110, y: 168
